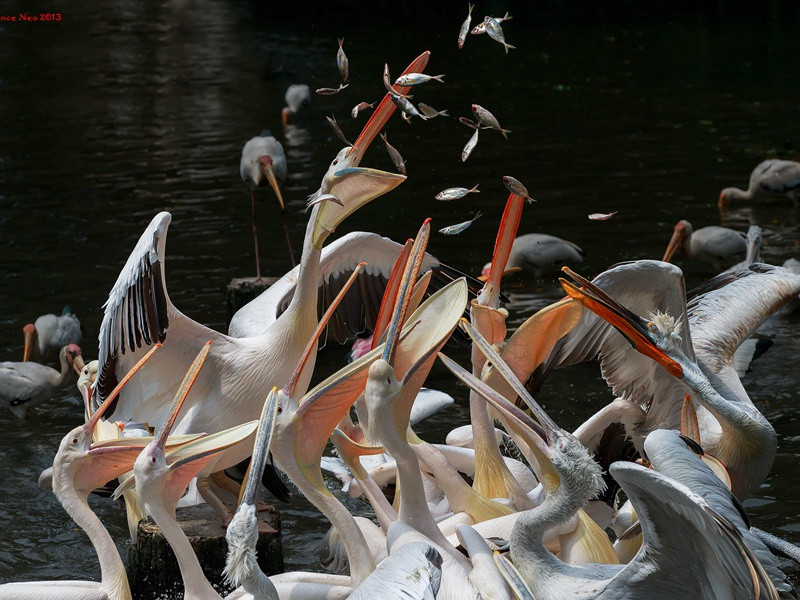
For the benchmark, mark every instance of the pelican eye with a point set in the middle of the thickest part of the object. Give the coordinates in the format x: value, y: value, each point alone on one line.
x: 652, y: 327
x: 335, y: 161
x: 153, y: 459
x: 280, y: 409
x: 74, y: 440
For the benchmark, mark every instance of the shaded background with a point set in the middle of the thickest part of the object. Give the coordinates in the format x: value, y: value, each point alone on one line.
x: 120, y: 111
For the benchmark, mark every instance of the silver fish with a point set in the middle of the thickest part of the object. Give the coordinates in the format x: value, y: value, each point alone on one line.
x: 515, y: 187
x: 481, y: 28
x: 405, y: 105
x: 484, y: 116
x: 602, y: 216
x: 456, y: 229
x: 431, y: 112
x: 456, y: 193
x: 336, y: 129
x: 359, y: 107
x: 342, y: 62
x: 496, y: 32
x: 331, y: 91
x: 387, y: 83
x: 416, y: 79
x: 470, y: 146
x: 323, y: 198
x: 394, y: 155
x: 462, y: 34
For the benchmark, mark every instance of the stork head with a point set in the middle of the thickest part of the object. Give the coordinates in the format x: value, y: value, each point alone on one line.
x: 72, y: 355
x: 680, y: 235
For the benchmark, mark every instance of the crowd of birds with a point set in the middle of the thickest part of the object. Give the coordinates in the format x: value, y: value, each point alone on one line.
x: 643, y: 500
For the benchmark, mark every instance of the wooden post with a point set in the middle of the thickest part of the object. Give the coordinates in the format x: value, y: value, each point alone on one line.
x: 242, y: 290
x: 153, y: 570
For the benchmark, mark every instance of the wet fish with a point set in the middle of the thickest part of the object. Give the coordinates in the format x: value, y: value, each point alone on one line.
x: 462, y: 34
x: 331, y: 91
x: 515, y: 187
x: 456, y: 192
x: 431, y: 112
x: 416, y: 79
x: 387, y: 83
x: 323, y: 198
x: 359, y: 107
x: 496, y: 32
x: 336, y: 129
x: 602, y: 216
x: 405, y: 105
x: 470, y: 145
x: 481, y: 28
x: 456, y: 229
x: 394, y: 155
x: 484, y: 116
x: 342, y: 62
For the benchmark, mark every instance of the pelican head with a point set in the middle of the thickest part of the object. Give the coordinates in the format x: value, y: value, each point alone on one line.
x: 575, y: 466
x: 681, y: 233
x: 29, y: 335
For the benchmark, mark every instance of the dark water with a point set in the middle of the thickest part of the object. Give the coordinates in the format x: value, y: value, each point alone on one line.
x: 116, y: 113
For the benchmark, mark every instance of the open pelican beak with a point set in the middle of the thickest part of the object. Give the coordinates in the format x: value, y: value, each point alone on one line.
x: 29, y: 335
x: 490, y: 295
x: 628, y: 323
x: 265, y: 163
x: 381, y: 114
x: 266, y: 427
x: 674, y: 244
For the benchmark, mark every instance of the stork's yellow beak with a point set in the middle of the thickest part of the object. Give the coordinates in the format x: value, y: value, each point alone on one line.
x: 265, y: 163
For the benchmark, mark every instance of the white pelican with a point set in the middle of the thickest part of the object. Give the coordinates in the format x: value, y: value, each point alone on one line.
x: 26, y: 385
x: 45, y: 338
x: 719, y: 246
x: 264, y: 162
x: 541, y: 254
x: 695, y: 347
x: 770, y: 179
x: 297, y: 96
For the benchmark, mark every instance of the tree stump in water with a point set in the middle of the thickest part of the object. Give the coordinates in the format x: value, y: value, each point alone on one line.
x: 242, y: 290
x: 153, y: 570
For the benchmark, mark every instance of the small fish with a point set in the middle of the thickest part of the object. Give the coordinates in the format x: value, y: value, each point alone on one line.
x: 484, y: 116
x: 515, y: 187
x: 479, y: 29
x: 359, y: 107
x: 470, y: 146
x: 394, y: 155
x: 456, y: 229
x: 462, y: 34
x: 602, y: 216
x: 496, y: 32
x: 431, y: 112
x: 387, y: 83
x: 405, y: 105
x: 336, y: 129
x: 323, y: 198
x: 417, y: 78
x: 456, y: 193
x: 468, y: 122
x: 331, y: 91
x: 342, y: 62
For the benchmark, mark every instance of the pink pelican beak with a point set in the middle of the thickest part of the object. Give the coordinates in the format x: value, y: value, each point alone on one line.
x: 265, y: 164
x: 29, y: 335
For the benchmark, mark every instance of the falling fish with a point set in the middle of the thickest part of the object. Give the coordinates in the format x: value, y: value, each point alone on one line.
x: 515, y: 187
x: 470, y: 145
x: 387, y: 82
x: 336, y: 129
x: 484, y: 116
x: 342, y: 62
x: 496, y: 32
x: 359, y: 107
x: 405, y: 105
x: 480, y: 29
x: 417, y: 78
x: 602, y: 216
x: 462, y: 34
x: 394, y: 155
x: 331, y: 91
x: 456, y: 229
x: 431, y: 112
x: 456, y: 193
x: 323, y: 198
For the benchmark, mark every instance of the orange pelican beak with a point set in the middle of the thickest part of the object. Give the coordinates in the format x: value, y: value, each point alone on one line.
x: 29, y: 335
x: 674, y: 242
x: 506, y: 233
x: 385, y: 109
x: 628, y: 323
x: 265, y: 163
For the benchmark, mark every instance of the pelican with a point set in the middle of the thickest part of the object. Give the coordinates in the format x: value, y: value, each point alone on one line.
x: 139, y: 313
x: 718, y: 246
x: 264, y: 162
x: 298, y: 95
x: 692, y: 350
x: 753, y: 239
x: 541, y: 254
x: 45, y: 338
x: 770, y: 179
x: 26, y: 385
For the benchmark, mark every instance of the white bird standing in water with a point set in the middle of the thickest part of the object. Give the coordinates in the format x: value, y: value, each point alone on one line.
x: 770, y: 179
x: 45, y: 338
x: 719, y: 246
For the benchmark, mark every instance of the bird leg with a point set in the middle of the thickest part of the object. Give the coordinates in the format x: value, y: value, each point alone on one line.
x: 288, y: 241
x: 226, y: 483
x: 255, y: 233
x: 223, y: 512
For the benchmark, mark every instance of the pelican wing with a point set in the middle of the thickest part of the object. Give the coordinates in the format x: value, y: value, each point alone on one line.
x: 19, y: 382
x: 777, y: 176
x: 643, y: 286
x: 138, y: 314
x: 689, y: 549
x: 413, y: 572
x: 359, y: 308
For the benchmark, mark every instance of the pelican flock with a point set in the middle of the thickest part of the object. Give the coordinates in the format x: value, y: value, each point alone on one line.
x: 642, y: 500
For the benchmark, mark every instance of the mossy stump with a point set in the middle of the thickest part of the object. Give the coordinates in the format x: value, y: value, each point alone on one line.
x: 242, y: 290
x: 153, y: 570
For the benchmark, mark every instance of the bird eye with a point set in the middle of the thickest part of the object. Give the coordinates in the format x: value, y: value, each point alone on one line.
x: 280, y: 409
x: 74, y: 440
x: 388, y: 381
x: 153, y: 459
x: 335, y: 161
x: 652, y: 327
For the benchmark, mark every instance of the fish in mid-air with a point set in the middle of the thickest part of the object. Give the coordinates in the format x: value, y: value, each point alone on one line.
x: 342, y: 62
x: 417, y: 78
x: 359, y: 107
x: 332, y: 121
x: 459, y: 227
x: 484, y: 116
x: 404, y: 104
x: 481, y: 27
x: 394, y: 155
x: 470, y: 145
x: 602, y: 216
x: 331, y: 91
x: 455, y: 193
x: 515, y: 187
x: 462, y: 34
x: 431, y: 112
x: 496, y: 32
